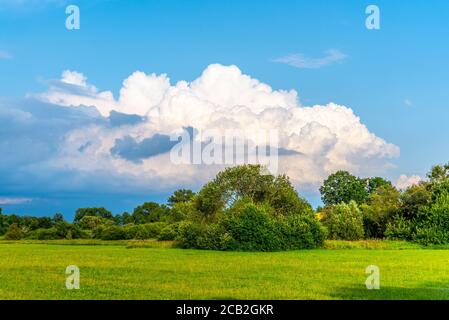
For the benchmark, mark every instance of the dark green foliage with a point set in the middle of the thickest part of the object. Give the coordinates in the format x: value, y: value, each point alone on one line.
x: 46, y: 234
x: 150, y: 212
x: 252, y: 228
x: 432, y: 224
x: 399, y: 229
x: 424, y: 212
x: 180, y: 196
x: 58, y: 217
x: 344, y: 221
x: 249, y: 182
x: 439, y: 173
x: 93, y: 212
x: 343, y: 187
x: 247, y: 209
x: 144, y: 231
x: 382, y: 205
x: 413, y: 199
x: 113, y: 233
x: 3, y: 225
x: 302, y: 232
x: 14, y: 232
x: 67, y: 230
x: 372, y: 184
x: 169, y: 232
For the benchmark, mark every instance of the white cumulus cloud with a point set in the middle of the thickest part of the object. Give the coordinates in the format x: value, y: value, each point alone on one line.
x: 321, y: 138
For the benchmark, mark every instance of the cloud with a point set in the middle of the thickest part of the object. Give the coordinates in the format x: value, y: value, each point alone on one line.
x: 73, y: 90
x: 298, y: 60
x: 408, y: 102
x: 5, y: 55
x: 11, y: 201
x: 405, y: 181
x: 320, y: 139
x: 130, y: 149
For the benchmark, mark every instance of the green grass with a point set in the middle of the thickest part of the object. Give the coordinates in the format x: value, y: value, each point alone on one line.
x: 151, y: 270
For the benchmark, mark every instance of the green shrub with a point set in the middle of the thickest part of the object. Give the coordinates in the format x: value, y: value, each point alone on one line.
x: 66, y: 230
x: 154, y: 229
x: 169, y: 232
x: 112, y: 233
x: 252, y: 228
x: 302, y: 232
x: 14, y: 232
x: 383, y: 204
x: 399, y: 229
x: 143, y: 231
x: 47, y: 234
x: 345, y: 222
x: 432, y: 223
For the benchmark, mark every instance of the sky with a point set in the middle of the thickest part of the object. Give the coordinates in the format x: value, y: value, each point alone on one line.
x: 85, y: 115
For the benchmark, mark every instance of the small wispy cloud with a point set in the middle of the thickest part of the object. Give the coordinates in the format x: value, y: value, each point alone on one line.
x: 6, y: 201
x: 298, y: 60
x: 408, y: 102
x: 5, y: 55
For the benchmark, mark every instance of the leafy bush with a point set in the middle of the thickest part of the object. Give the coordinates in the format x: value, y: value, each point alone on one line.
x: 143, y: 231
x: 302, y: 232
x: 383, y: 204
x: 66, y: 230
x: 46, y: 234
x: 14, y: 232
x: 345, y: 222
x: 252, y: 228
x: 169, y: 232
x: 399, y: 229
x: 426, y: 219
x: 432, y: 224
x: 112, y: 233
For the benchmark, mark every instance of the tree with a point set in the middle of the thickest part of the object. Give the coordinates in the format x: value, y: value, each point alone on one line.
x: 432, y: 224
x: 150, y: 212
x: 93, y: 212
x: 382, y: 205
x: 343, y: 187
x: 439, y: 173
x: 58, y: 217
x: 372, y: 184
x: 249, y: 182
x: 179, y: 196
x: 3, y: 226
x: 14, y: 232
x: 344, y: 221
x: 413, y: 199
x: 123, y: 219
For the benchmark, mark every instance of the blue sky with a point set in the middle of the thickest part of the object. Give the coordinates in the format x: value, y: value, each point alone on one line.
x: 395, y: 79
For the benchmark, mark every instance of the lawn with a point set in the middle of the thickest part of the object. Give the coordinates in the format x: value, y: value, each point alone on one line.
x: 119, y: 270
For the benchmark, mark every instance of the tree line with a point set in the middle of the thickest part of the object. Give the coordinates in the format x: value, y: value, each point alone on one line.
x: 246, y: 208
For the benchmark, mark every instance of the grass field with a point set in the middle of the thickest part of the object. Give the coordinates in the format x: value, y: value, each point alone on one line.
x: 149, y: 270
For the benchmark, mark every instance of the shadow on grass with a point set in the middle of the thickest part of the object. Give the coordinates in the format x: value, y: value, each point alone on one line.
x: 434, y: 291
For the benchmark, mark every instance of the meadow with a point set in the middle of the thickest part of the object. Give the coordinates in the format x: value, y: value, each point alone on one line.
x: 155, y: 270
